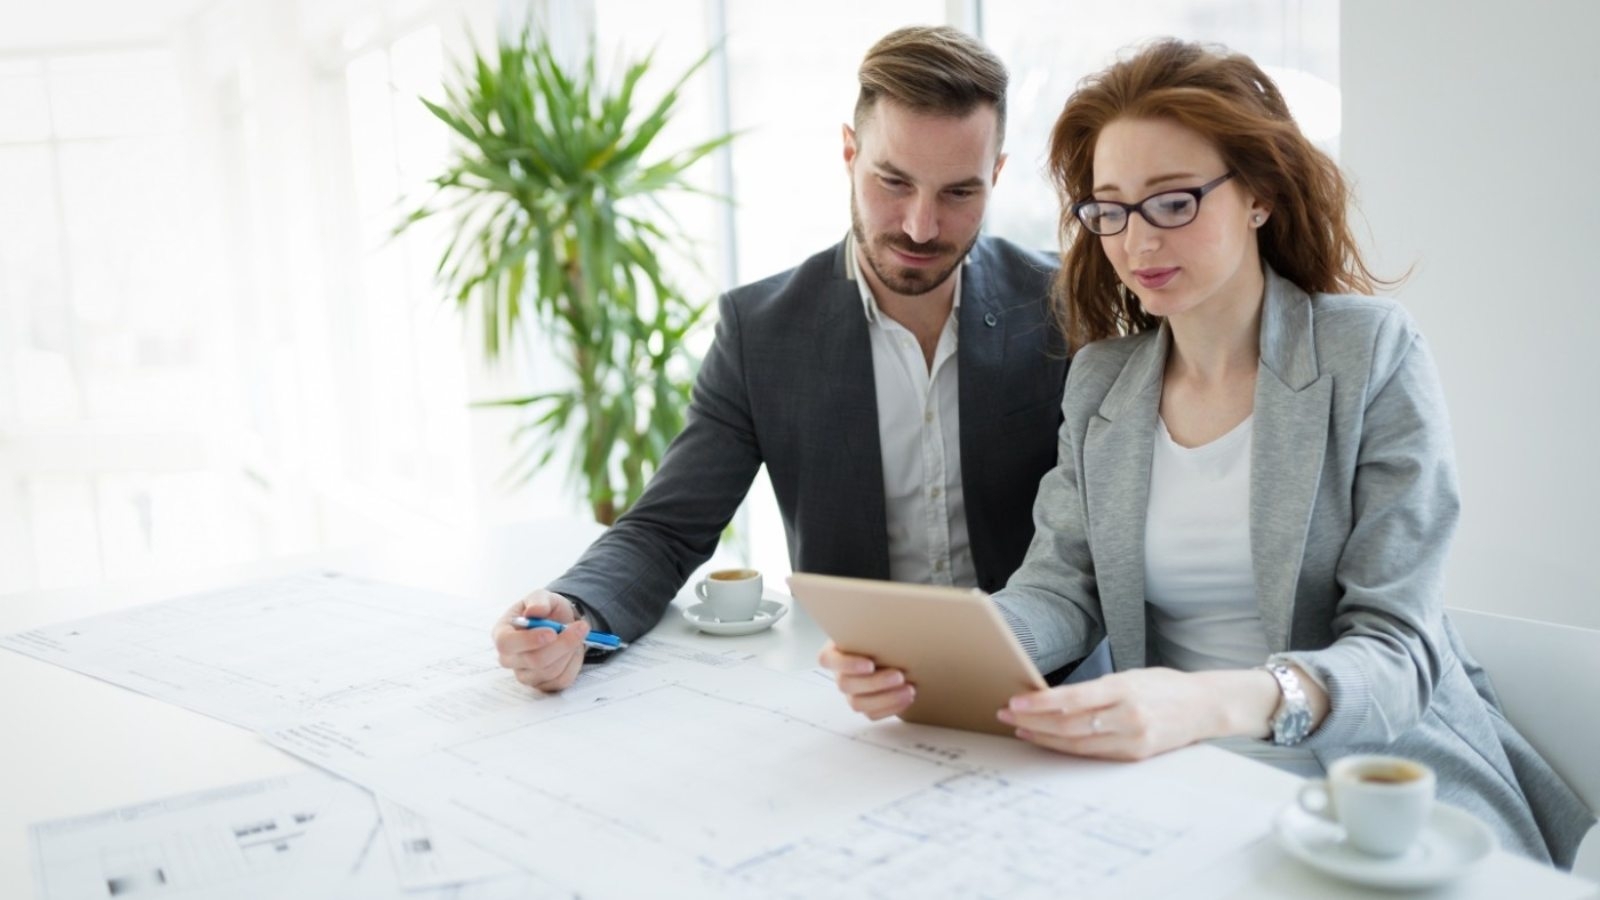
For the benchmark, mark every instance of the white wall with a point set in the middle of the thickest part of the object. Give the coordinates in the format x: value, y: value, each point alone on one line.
x: 1454, y: 110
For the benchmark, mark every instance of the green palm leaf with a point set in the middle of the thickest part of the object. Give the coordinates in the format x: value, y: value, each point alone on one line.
x: 554, y: 192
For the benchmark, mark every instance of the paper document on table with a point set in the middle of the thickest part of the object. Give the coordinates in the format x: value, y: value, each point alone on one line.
x: 744, y: 781
x: 304, y: 836
x: 261, y: 654
x: 704, y: 775
x: 425, y: 857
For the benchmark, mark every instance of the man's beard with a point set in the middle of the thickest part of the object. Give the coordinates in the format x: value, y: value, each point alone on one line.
x: 903, y: 280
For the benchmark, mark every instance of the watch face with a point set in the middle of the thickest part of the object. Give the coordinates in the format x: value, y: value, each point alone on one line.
x: 1291, y: 726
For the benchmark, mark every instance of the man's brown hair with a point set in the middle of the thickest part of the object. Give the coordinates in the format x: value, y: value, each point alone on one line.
x: 937, y: 70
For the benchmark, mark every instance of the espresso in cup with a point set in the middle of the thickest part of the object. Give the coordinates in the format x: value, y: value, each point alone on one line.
x: 734, y: 575
x: 1400, y: 773
x: 1383, y: 802
x: 731, y: 595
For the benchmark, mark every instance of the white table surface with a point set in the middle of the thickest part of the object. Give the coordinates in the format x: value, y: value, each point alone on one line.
x: 72, y: 745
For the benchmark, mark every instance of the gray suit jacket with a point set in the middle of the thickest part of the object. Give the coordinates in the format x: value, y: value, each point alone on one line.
x: 1353, y: 502
x: 788, y: 383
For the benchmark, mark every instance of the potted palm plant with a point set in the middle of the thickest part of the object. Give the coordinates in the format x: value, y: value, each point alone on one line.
x: 557, y: 223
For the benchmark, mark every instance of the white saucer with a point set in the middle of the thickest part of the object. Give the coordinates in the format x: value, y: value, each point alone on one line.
x: 767, y: 613
x: 1451, y: 844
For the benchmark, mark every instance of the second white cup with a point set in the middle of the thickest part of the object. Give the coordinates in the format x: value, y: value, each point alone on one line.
x: 1383, y: 802
x: 731, y: 595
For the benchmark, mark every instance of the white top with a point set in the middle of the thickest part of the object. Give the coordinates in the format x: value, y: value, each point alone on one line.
x: 1197, y: 575
x: 919, y: 431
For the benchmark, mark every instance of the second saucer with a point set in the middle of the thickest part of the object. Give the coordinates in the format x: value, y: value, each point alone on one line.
x: 769, y: 612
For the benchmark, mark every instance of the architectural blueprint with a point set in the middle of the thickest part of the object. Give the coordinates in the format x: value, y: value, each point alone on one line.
x: 425, y: 857
x: 666, y: 772
x: 261, y: 654
x: 275, y: 651
x: 747, y: 782
x: 305, y: 836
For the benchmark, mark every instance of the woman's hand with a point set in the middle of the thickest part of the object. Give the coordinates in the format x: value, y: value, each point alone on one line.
x: 874, y: 692
x: 1142, y: 712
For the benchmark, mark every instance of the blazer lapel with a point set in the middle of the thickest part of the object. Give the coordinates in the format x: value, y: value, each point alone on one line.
x: 1292, y: 408
x: 981, y: 351
x: 850, y: 405
x: 1117, y: 449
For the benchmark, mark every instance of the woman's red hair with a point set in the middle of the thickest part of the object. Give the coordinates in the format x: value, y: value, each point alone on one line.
x: 1226, y: 98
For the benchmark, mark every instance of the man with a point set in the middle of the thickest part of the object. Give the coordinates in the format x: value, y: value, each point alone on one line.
x: 903, y: 388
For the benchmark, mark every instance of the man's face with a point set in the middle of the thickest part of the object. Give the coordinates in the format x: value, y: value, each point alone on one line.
x: 919, y: 185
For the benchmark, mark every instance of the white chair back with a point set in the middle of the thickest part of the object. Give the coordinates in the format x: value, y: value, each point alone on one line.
x: 1548, y: 679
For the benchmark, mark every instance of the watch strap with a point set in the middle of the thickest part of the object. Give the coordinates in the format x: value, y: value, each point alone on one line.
x: 1291, y: 723
x: 580, y: 612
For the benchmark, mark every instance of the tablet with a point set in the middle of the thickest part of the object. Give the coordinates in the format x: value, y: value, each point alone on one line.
x: 951, y: 642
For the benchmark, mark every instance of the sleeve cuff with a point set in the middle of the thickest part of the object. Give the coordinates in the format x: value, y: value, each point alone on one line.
x: 1023, y: 632
x: 1350, y: 705
x: 588, y: 613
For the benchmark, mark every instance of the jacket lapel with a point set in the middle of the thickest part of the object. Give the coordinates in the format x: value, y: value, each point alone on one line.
x: 850, y: 406
x: 981, y: 350
x: 1292, y: 408
x: 1117, y: 449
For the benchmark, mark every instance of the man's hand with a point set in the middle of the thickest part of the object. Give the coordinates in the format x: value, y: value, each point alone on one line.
x: 874, y: 692
x: 539, y: 657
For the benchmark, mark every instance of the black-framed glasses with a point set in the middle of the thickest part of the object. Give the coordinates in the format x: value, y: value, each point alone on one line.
x: 1168, y: 209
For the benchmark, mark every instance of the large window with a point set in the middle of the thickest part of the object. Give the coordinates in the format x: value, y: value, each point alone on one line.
x: 401, y: 377
x: 1050, y: 46
x: 791, y: 85
x: 213, y: 349
x: 105, y: 370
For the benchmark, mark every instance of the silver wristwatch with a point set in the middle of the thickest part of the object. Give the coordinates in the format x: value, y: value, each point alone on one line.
x: 1292, y: 722
x: 580, y: 613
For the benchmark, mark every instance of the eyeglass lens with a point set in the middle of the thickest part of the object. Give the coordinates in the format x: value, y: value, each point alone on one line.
x: 1163, y: 210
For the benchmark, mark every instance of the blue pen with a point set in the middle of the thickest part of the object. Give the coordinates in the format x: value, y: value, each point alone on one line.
x: 599, y: 640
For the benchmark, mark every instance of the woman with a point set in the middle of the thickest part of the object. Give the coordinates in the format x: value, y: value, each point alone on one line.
x: 1255, y: 491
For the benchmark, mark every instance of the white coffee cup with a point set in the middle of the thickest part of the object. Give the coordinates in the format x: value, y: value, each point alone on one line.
x: 731, y: 595
x: 1383, y: 802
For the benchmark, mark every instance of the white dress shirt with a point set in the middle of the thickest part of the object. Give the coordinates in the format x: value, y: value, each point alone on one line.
x: 919, y: 431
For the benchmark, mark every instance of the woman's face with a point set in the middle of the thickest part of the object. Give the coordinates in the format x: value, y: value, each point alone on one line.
x: 1198, y: 269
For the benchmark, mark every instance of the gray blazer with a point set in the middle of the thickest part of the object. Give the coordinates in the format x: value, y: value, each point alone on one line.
x: 788, y: 383
x: 1353, y: 503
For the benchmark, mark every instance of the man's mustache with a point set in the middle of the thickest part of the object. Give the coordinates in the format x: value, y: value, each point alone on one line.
x: 929, y: 248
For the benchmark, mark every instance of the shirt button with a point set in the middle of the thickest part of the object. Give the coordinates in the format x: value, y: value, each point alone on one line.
x: 935, y: 492
x: 928, y: 417
x: 938, y: 566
